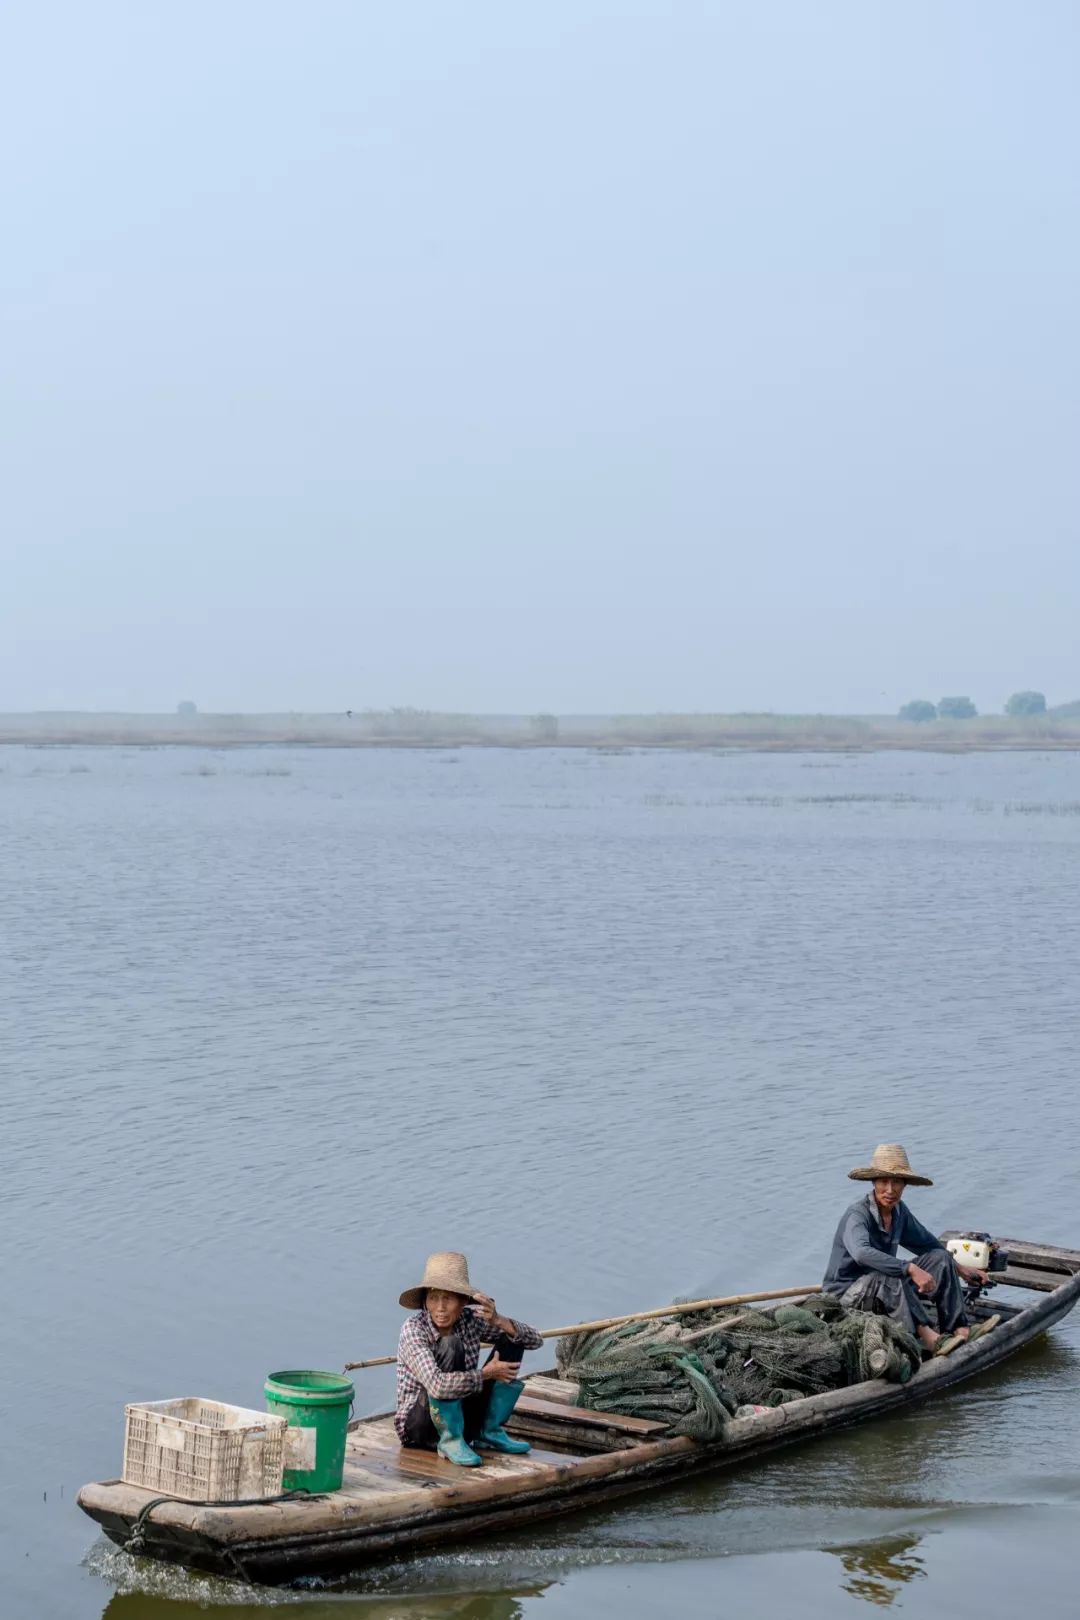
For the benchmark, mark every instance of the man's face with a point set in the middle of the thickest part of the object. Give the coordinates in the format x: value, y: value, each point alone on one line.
x: 444, y: 1309
x: 888, y: 1190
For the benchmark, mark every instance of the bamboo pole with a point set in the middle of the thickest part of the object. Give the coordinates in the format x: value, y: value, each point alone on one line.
x: 634, y: 1316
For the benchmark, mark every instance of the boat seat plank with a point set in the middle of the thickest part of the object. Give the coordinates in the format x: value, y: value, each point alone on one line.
x: 1042, y: 1256
x: 1044, y: 1282
x: 583, y: 1417
x: 546, y: 1388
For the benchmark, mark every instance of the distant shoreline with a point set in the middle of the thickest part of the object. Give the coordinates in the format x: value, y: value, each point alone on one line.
x: 837, y: 734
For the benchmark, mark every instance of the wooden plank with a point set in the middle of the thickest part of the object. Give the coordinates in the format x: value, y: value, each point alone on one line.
x: 429, y: 1465
x: 373, y: 1441
x: 552, y: 1389
x: 367, y: 1442
x: 583, y: 1417
x: 381, y: 1425
x: 409, y: 1465
x: 540, y: 1454
x: 1044, y: 1282
x: 988, y: 1305
x: 399, y: 1467
x: 569, y: 1437
x: 361, y: 1482
x: 1042, y: 1257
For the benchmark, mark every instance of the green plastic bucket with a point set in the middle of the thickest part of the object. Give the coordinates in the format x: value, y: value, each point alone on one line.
x: 317, y: 1405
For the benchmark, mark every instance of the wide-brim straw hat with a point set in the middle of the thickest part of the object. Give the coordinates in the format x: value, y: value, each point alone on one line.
x: 448, y: 1271
x: 890, y: 1159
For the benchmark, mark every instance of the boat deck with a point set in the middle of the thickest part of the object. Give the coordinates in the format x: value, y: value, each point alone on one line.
x: 377, y: 1465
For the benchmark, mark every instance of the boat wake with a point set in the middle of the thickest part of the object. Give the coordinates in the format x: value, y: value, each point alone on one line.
x: 143, y: 1577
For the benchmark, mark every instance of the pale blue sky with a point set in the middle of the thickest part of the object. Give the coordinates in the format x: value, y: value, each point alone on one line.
x: 561, y: 355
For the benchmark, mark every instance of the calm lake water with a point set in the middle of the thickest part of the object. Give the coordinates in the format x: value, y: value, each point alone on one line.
x: 276, y: 1023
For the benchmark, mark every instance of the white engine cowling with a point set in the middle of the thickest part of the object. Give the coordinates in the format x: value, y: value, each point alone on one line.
x: 970, y: 1251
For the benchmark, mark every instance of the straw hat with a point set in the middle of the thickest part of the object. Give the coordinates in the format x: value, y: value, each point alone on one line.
x: 890, y: 1159
x: 448, y: 1271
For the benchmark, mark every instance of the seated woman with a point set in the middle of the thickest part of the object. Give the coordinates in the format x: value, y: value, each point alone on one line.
x: 446, y: 1401
x: 867, y: 1274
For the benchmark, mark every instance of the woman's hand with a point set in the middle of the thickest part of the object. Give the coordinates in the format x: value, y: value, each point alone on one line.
x: 503, y: 1372
x: 496, y: 1323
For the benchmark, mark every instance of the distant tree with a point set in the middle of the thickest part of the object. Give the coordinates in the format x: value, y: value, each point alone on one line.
x: 544, y: 727
x: 918, y: 709
x: 1024, y: 703
x: 1066, y: 711
x: 956, y: 708
x: 187, y: 709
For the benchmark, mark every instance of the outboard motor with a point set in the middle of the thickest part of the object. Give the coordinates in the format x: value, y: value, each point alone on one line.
x: 978, y: 1249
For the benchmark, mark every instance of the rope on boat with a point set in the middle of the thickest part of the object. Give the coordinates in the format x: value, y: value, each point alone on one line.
x: 136, y: 1540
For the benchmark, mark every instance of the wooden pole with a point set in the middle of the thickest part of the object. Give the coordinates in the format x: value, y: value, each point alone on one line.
x: 635, y: 1316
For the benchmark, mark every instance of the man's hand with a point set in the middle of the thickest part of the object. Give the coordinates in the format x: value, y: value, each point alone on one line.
x: 496, y: 1323
x: 972, y: 1274
x: 922, y: 1279
x: 504, y: 1372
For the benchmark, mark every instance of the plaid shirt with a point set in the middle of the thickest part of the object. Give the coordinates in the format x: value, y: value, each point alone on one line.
x: 418, y: 1370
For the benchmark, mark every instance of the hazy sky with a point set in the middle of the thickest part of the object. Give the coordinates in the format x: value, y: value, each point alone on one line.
x: 554, y: 354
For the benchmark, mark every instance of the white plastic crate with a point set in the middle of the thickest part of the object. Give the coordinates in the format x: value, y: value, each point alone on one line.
x: 203, y: 1451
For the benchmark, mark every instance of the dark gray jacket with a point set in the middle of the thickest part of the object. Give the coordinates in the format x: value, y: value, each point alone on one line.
x: 862, y: 1244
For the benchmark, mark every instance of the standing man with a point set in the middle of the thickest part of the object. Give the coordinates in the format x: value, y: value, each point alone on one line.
x: 868, y: 1275
x: 446, y: 1401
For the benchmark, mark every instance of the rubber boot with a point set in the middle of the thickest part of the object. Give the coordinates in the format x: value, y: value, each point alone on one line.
x: 449, y: 1419
x: 501, y: 1403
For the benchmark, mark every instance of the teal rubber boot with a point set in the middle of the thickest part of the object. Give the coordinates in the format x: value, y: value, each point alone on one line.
x: 449, y: 1419
x: 501, y: 1403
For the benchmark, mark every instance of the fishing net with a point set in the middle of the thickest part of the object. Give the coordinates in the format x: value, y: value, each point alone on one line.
x: 693, y: 1372
x: 649, y: 1370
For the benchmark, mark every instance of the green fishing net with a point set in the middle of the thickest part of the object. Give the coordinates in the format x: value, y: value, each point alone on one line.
x: 693, y: 1372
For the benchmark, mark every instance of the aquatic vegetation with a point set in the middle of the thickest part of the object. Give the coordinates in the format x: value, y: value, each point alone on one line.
x: 865, y: 798
x: 777, y: 801
x: 1060, y: 807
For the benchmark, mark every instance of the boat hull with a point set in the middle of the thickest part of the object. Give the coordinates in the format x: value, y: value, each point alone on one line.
x: 398, y: 1502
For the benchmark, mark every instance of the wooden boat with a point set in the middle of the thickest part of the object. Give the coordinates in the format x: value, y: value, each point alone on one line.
x: 394, y: 1502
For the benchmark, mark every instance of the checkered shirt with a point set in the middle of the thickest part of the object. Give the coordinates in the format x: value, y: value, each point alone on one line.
x: 418, y: 1370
